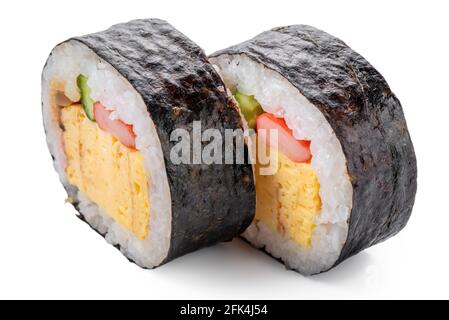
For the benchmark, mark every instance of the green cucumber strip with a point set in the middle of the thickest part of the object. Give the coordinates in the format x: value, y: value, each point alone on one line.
x: 86, y: 100
x: 250, y: 108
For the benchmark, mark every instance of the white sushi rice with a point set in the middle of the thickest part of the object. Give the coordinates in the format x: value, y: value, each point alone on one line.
x: 278, y: 96
x: 66, y: 62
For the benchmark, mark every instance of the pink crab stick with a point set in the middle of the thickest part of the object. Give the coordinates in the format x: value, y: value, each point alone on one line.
x: 120, y: 130
x: 295, y: 150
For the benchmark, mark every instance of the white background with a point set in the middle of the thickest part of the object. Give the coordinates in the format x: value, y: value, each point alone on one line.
x: 46, y: 252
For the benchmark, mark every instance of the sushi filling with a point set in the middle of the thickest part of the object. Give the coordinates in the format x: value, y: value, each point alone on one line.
x: 289, y: 200
x: 103, y: 163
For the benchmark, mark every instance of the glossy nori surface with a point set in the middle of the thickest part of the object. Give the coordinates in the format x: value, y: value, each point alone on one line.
x: 364, y: 114
x: 210, y: 203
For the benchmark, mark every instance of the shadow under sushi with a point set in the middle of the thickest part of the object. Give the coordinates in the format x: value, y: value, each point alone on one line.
x: 238, y: 263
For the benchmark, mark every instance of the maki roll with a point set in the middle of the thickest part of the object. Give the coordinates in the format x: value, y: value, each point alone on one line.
x: 110, y: 103
x: 345, y: 175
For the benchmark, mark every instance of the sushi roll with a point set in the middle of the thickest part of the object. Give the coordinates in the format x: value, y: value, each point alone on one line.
x: 345, y: 175
x: 110, y: 102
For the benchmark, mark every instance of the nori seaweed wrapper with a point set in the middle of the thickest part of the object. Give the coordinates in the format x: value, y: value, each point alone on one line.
x: 210, y: 203
x: 365, y: 115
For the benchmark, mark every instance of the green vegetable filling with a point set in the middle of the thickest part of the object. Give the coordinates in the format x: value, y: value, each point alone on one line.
x: 86, y: 100
x: 249, y: 107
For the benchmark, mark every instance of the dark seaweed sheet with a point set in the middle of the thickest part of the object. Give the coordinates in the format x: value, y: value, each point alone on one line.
x: 365, y: 115
x: 210, y: 203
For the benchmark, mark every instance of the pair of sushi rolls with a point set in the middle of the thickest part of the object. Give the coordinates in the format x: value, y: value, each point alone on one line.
x: 110, y: 102
x: 346, y: 168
